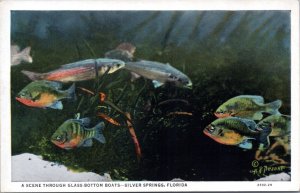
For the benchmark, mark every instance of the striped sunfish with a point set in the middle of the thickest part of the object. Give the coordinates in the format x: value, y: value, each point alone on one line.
x: 74, y: 133
x: 247, y: 106
x: 78, y: 71
x: 237, y: 131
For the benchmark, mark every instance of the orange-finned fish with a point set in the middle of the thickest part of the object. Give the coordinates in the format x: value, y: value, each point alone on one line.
x: 45, y: 94
x: 74, y: 133
x: 237, y: 131
x: 78, y: 71
x: 109, y: 119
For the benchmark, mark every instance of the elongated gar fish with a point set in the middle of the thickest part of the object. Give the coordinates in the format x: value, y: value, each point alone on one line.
x: 159, y: 73
x: 78, y: 71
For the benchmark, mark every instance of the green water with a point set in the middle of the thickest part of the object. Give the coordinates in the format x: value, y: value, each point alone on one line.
x: 172, y: 146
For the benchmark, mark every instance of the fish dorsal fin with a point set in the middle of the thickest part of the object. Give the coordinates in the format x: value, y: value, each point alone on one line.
x: 57, y: 105
x: 257, y: 99
x: 87, y: 143
x: 168, y: 64
x: 85, y: 121
x: 56, y: 85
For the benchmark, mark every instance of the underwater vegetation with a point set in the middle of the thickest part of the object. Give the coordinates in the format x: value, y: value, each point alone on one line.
x: 154, y: 133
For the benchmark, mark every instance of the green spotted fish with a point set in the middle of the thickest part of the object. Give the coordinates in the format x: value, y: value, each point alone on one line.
x: 280, y: 124
x: 247, y: 106
x: 74, y: 133
x: 237, y: 131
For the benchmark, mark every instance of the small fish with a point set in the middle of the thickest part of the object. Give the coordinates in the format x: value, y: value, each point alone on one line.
x: 247, y: 106
x: 18, y: 56
x: 78, y: 71
x: 74, y: 133
x: 159, y: 73
x: 236, y: 131
x: 45, y: 94
x: 280, y: 124
x: 124, y: 52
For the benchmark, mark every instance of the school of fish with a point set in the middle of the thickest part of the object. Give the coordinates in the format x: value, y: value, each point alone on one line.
x: 46, y: 89
x: 240, y: 120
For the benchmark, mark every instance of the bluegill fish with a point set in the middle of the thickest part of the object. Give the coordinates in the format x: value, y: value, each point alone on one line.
x: 74, y: 133
x: 124, y: 52
x: 247, y: 106
x: 45, y: 94
x: 280, y: 124
x: 18, y: 56
x: 237, y: 131
x: 159, y: 73
x: 78, y: 71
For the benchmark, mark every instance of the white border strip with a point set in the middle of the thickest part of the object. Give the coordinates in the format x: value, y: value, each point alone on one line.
x: 7, y: 6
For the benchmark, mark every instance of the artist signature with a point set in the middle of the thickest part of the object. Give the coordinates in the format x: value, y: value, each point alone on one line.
x: 262, y: 170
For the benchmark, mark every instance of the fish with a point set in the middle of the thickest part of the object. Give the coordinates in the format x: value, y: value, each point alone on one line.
x: 74, y: 133
x: 17, y: 56
x: 247, y: 106
x: 159, y: 73
x: 237, y: 132
x: 78, y: 71
x: 45, y: 94
x: 124, y: 52
x: 280, y: 124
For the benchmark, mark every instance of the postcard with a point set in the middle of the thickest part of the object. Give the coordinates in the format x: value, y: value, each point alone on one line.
x: 123, y: 96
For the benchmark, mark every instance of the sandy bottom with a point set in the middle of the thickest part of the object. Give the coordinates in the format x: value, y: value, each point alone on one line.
x: 31, y: 168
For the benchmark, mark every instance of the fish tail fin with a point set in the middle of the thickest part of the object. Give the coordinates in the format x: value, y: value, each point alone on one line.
x: 32, y: 75
x: 26, y: 55
x: 99, y: 132
x: 71, y: 92
x: 265, y: 129
x: 273, y: 107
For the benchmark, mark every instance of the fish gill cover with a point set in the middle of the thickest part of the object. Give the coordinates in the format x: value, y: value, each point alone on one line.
x: 224, y: 53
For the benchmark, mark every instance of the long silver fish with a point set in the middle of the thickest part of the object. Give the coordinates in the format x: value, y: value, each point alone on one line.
x: 18, y: 56
x: 78, y: 71
x: 159, y: 73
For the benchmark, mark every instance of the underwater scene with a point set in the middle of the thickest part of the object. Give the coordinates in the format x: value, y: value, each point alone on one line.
x: 154, y: 95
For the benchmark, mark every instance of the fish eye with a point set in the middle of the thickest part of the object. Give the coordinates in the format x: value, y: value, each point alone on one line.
x: 211, y: 128
x: 118, y: 65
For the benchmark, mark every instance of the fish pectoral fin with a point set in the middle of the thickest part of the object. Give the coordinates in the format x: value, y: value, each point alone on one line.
x: 57, y: 105
x: 257, y: 116
x: 246, y: 144
x: 156, y: 83
x: 134, y: 76
x: 87, y: 143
